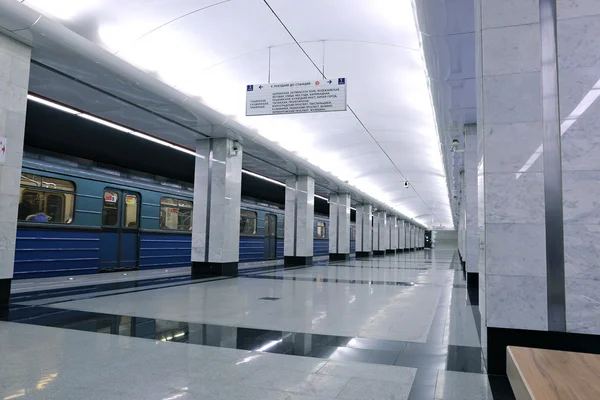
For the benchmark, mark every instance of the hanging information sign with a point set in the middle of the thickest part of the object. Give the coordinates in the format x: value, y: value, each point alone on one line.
x: 296, y: 97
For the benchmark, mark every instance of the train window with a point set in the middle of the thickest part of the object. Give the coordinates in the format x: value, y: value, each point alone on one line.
x: 131, y: 211
x: 44, y: 199
x: 110, y: 208
x: 321, y: 230
x: 247, y: 222
x: 176, y: 214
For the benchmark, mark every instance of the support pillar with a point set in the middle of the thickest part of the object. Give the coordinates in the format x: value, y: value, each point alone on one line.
x: 380, y: 234
x: 401, y: 235
x: 406, y: 236
x: 393, y: 234
x: 339, y: 226
x: 217, y: 201
x: 299, y: 220
x: 15, y: 60
x: 364, y: 230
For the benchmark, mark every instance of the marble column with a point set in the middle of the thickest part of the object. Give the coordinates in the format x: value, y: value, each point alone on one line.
x: 339, y: 226
x: 380, y: 234
x: 406, y: 236
x: 509, y: 125
x: 401, y: 235
x: 471, y: 233
x: 217, y: 201
x: 299, y: 220
x: 14, y: 81
x: 578, y: 36
x: 364, y: 230
x: 392, y: 242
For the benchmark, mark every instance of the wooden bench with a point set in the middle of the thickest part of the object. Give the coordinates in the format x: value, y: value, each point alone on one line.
x: 548, y: 374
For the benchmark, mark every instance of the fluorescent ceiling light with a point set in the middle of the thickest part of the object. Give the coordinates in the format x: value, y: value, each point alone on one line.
x: 105, y: 123
x: 53, y: 105
x: 263, y: 177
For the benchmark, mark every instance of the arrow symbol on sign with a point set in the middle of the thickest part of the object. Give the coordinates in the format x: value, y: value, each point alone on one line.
x: 260, y: 86
x: 329, y: 81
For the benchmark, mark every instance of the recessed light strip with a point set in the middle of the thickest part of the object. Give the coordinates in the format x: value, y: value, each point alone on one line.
x: 145, y: 136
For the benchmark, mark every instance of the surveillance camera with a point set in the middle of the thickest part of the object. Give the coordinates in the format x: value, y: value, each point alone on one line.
x: 455, y: 143
x: 406, y: 184
x: 236, y: 147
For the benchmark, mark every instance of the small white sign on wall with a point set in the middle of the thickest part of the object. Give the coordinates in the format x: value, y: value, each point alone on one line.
x: 2, y: 149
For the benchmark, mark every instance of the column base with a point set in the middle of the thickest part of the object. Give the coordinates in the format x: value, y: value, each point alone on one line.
x: 499, y: 338
x: 378, y: 253
x: 390, y: 251
x: 473, y: 280
x: 363, y: 254
x: 295, y: 261
x: 204, y: 269
x: 339, y: 257
x: 5, y: 285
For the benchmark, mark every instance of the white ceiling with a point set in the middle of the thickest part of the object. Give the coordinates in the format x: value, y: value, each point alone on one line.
x: 210, y: 50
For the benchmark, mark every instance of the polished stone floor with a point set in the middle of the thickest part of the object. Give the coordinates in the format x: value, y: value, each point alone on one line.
x: 398, y: 327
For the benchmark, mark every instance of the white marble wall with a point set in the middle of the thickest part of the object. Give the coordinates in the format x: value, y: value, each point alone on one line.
x: 222, y: 214
x: 579, y: 76
x: 14, y: 82
x: 471, y: 231
x: 299, y: 216
x: 364, y: 228
x: 401, y: 234
x: 393, y: 228
x: 510, y: 131
x: 339, y: 223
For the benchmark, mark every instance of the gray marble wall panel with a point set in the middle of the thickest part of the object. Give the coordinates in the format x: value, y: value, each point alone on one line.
x: 299, y: 216
x: 579, y: 85
x: 14, y: 82
x: 217, y: 201
x: 505, y: 179
x: 364, y: 228
x: 339, y: 223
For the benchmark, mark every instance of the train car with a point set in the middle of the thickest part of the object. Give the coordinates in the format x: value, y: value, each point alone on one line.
x: 77, y: 218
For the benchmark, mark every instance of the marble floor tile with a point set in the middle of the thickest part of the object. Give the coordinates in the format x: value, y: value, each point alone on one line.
x: 360, y: 388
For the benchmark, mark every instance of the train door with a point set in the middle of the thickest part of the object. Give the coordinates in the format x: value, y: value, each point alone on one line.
x: 270, y: 236
x: 119, y: 240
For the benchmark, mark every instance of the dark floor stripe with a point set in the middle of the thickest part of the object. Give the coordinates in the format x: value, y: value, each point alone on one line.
x: 341, y: 348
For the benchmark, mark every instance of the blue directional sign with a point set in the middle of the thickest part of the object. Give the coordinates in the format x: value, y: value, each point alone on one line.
x: 249, y: 88
x: 341, y: 81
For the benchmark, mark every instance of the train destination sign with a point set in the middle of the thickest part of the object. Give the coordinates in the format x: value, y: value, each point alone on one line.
x: 296, y: 97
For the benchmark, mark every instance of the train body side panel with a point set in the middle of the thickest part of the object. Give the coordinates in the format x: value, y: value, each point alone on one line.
x: 44, y: 253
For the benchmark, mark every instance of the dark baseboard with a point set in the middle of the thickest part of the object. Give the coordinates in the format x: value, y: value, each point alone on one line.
x: 390, y: 251
x: 204, y: 269
x: 400, y: 251
x: 295, y: 261
x: 379, y: 253
x: 339, y: 257
x: 473, y: 280
x: 499, y: 338
x: 363, y: 254
x: 5, y: 285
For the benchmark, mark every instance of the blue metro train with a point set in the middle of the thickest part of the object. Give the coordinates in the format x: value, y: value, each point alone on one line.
x: 77, y: 218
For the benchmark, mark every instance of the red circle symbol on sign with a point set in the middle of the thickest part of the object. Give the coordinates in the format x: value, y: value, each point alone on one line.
x: 317, y: 83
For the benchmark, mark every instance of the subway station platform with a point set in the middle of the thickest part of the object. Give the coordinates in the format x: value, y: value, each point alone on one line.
x: 399, y: 327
